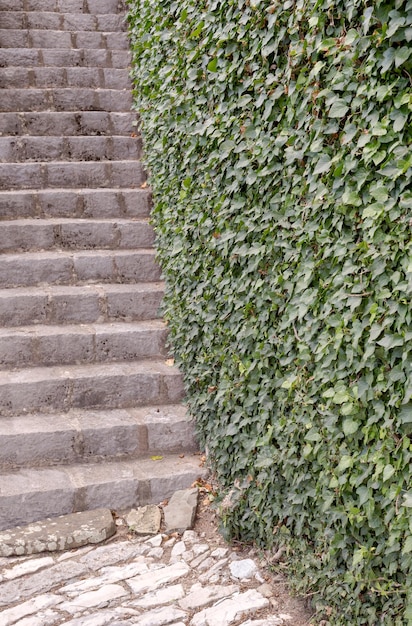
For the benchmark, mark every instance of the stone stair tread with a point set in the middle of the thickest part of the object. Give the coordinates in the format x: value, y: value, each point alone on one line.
x: 72, y: 123
x: 30, y: 494
x: 67, y: 148
x: 91, y: 386
x: 58, y: 57
x: 71, y: 174
x: 30, y: 234
x: 80, y: 303
x: 84, y: 203
x: 63, y: 39
x: 62, y: 77
x: 46, y: 345
x: 84, y: 436
x: 65, y: 99
x: 39, y: 330
x: 78, y: 6
x: 62, y: 20
x: 68, y: 267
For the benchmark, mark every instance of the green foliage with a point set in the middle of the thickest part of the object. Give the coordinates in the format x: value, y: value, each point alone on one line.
x: 278, y: 138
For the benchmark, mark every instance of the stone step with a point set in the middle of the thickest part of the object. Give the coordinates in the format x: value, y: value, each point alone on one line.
x: 77, y: 203
x: 23, y: 235
x: 71, y: 174
x: 113, y: 148
x: 62, y: 21
x: 46, y: 77
x: 28, y: 495
x: 41, y: 346
x: 64, y: 6
x: 93, y: 386
x: 15, y: 100
x: 61, y: 57
x: 87, y: 304
x: 70, y: 268
x: 10, y: 38
x: 86, y: 436
x: 75, y: 123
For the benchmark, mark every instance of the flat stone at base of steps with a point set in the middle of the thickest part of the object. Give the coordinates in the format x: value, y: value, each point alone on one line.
x: 75, y: 203
x: 23, y: 235
x: 91, y: 386
x: 58, y: 533
x: 77, y: 304
x: 86, y: 436
x: 30, y: 494
x: 61, y: 57
x: 71, y: 123
x: 69, y: 267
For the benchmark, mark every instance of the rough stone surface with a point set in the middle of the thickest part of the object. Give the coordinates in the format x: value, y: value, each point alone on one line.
x: 226, y: 612
x: 60, y: 533
x: 181, y: 511
x: 245, y: 568
x: 201, y: 596
x: 126, y: 582
x: 145, y: 520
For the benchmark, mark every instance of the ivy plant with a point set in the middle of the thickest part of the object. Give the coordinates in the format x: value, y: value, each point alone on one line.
x: 278, y: 142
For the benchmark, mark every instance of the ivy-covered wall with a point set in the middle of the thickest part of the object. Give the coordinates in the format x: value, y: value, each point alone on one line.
x: 278, y: 138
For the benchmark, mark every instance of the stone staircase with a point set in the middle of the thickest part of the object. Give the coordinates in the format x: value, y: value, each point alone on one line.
x: 87, y: 393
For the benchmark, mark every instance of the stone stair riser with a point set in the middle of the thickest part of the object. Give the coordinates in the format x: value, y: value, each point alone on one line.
x: 65, y: 100
x: 81, y: 203
x: 47, y: 346
x: 120, y: 486
x: 44, y: 149
x: 85, y: 437
x: 53, y: 77
x: 73, y: 174
x: 51, y: 123
x: 72, y: 22
x: 107, y: 386
x: 80, y: 305
x: 68, y: 6
x: 73, y: 268
x: 22, y: 235
x: 60, y: 57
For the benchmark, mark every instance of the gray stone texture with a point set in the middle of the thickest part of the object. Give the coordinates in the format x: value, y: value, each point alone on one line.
x: 61, y: 533
x: 117, y: 485
x: 180, y: 512
x: 145, y: 520
x: 87, y: 393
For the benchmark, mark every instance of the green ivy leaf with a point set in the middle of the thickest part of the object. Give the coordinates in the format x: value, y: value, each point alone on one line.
x: 388, y: 472
x: 350, y: 426
x: 338, y: 109
x: 212, y: 65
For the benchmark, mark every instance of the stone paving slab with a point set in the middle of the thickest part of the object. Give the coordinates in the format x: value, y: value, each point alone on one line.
x: 142, y: 581
x: 66, y: 532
